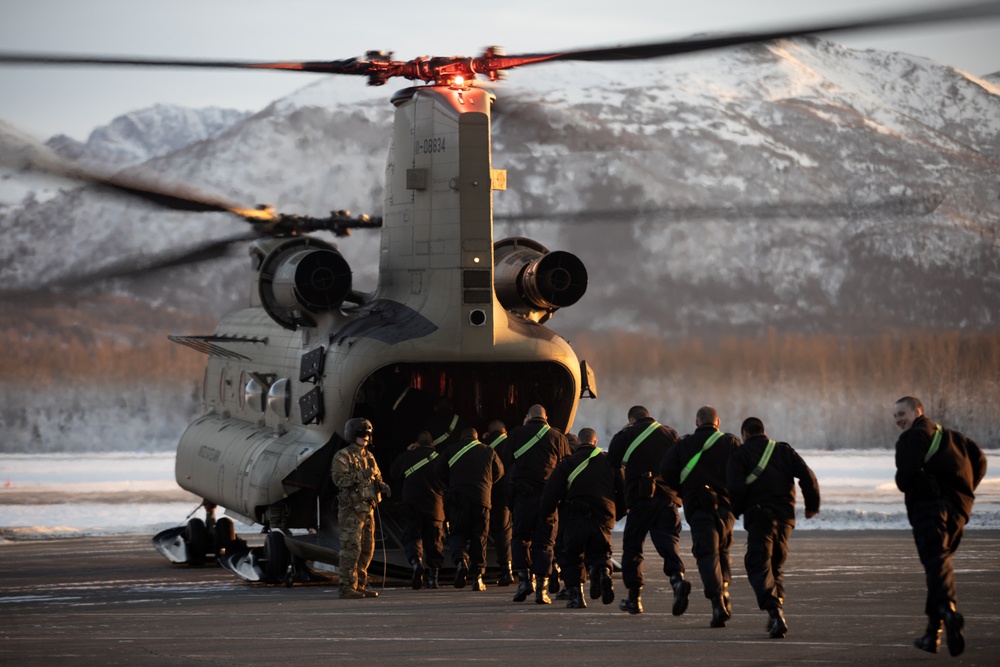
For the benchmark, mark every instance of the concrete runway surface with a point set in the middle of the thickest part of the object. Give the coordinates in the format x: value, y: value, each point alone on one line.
x: 851, y: 598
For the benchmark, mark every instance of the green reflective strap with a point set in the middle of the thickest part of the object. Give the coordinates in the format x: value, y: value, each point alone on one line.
x: 496, y: 443
x: 531, y: 443
x: 461, y: 452
x: 638, y: 441
x: 935, y: 443
x: 694, y: 459
x: 583, y: 464
x: 419, y: 464
x: 756, y: 472
x: 451, y: 427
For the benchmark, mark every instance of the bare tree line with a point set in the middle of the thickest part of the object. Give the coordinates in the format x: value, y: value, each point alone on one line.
x: 826, y: 392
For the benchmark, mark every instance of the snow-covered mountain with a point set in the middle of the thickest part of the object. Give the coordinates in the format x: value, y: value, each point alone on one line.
x: 136, y: 137
x: 769, y: 170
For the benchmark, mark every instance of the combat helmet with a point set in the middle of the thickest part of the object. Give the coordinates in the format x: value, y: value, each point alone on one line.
x: 356, y: 427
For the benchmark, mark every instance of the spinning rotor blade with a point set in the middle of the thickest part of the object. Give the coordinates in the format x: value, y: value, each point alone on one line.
x: 379, y: 66
x: 918, y: 206
x: 132, y: 267
x: 693, y: 45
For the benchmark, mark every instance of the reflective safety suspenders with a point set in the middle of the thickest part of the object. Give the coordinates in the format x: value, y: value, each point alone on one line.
x: 756, y: 472
x: 461, y: 452
x: 531, y: 443
x: 496, y: 443
x: 638, y: 441
x: 451, y: 427
x: 935, y: 443
x: 419, y: 464
x: 694, y: 459
x: 583, y: 464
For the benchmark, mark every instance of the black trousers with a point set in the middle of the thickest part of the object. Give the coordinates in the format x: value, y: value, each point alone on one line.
x: 500, y: 529
x: 586, y: 542
x: 423, y: 539
x: 937, y: 531
x: 767, y: 550
x: 532, y: 536
x: 658, y: 518
x: 711, y: 539
x: 467, y: 524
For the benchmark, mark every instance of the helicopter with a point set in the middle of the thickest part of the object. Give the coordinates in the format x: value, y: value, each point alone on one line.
x: 456, y: 314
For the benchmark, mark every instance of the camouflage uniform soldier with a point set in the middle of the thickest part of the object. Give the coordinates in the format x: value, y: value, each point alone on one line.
x: 356, y: 474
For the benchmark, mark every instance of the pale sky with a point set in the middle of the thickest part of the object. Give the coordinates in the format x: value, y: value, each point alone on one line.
x: 43, y: 101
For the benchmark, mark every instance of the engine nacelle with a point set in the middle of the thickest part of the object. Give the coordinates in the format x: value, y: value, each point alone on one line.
x: 532, y: 281
x: 300, y: 277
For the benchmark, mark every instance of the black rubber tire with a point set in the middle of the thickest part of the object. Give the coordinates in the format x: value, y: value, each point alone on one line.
x: 198, y: 541
x: 276, y: 557
x: 225, y: 534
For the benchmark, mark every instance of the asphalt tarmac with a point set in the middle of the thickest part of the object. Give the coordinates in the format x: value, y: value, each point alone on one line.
x: 851, y: 598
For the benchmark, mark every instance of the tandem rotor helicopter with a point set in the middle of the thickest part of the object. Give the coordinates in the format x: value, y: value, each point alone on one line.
x: 458, y: 318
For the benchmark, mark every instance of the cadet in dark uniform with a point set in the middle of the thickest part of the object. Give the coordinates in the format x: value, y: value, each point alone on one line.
x: 558, y: 551
x: 529, y: 455
x: 469, y: 469
x: 590, y: 495
x: 423, y: 499
x: 761, y: 477
x: 938, y: 470
x: 696, y: 468
x: 652, y: 507
x: 360, y: 485
x: 499, y: 512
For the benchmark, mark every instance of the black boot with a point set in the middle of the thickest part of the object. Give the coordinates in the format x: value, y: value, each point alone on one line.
x: 778, y: 627
x: 554, y: 579
x: 633, y: 603
x: 461, y: 573
x: 477, y: 581
x: 431, y: 578
x: 932, y: 637
x: 418, y: 574
x: 541, y: 590
x: 505, y: 578
x: 682, y: 589
x: 576, y: 600
x: 725, y: 599
x: 595, y: 582
x: 719, y: 613
x: 524, y: 587
x: 953, y: 624
x: 564, y: 594
x: 607, y: 587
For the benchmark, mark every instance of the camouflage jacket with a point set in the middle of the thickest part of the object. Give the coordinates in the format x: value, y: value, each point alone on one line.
x: 356, y: 474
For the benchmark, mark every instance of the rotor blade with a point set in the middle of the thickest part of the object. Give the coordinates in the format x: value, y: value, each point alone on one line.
x: 133, y: 266
x: 979, y: 10
x: 348, y: 66
x: 918, y: 206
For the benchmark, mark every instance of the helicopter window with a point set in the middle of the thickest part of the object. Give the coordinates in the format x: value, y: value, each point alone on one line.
x: 243, y: 394
x: 278, y: 397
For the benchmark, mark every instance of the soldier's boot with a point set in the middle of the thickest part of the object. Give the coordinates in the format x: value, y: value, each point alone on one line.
x: 719, y: 613
x: 367, y: 591
x: 607, y: 587
x: 524, y: 587
x: 576, y: 600
x: 348, y: 592
x: 541, y: 590
x: 418, y: 574
x: 554, y: 579
x: 564, y: 594
x: 505, y: 578
x: 431, y: 578
x: 595, y: 582
x: 461, y: 573
x: 953, y: 624
x: 779, y: 627
x: 682, y: 589
x: 726, y: 602
x: 477, y: 581
x: 633, y: 603
x: 932, y: 636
